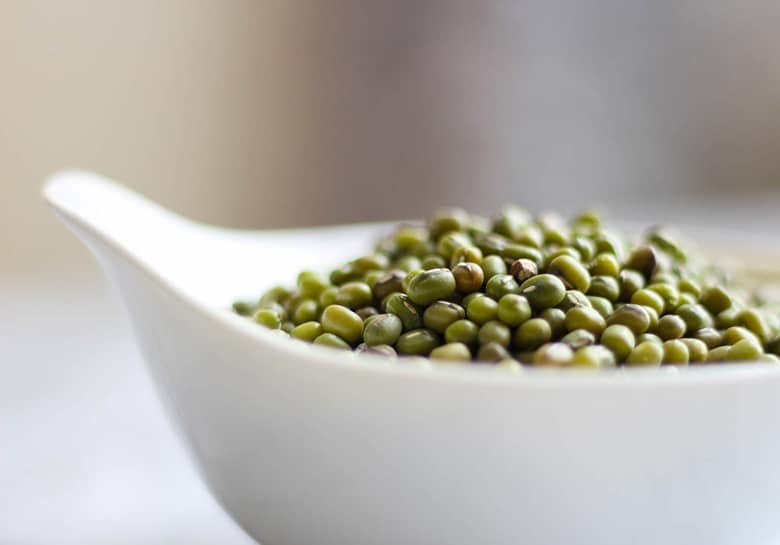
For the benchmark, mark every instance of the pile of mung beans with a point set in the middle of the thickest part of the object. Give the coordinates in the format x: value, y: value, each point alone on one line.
x: 524, y: 290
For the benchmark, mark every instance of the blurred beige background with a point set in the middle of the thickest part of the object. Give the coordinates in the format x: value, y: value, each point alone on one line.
x: 265, y: 113
x: 272, y: 113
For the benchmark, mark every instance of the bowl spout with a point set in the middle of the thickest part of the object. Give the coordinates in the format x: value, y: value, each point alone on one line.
x: 151, y: 236
x: 212, y: 265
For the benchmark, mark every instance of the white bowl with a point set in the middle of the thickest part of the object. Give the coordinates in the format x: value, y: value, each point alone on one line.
x: 303, y: 445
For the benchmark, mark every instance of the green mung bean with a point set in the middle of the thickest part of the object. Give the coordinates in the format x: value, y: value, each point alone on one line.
x: 492, y: 352
x: 620, y: 339
x: 532, y: 334
x: 439, y: 315
x: 332, y: 340
x: 494, y: 332
x: 419, y: 342
x: 595, y: 356
x: 513, y: 309
x: 646, y: 353
x: 553, y: 354
x: 382, y: 329
x: 543, y: 291
x: 451, y: 352
x: 307, y: 331
x: 676, y: 352
x: 482, y: 309
x: 462, y: 331
x: 579, y: 338
x: 557, y: 320
x: 585, y: 318
x: 492, y: 265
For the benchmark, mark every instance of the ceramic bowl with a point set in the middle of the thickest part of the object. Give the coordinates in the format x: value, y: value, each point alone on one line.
x: 303, y: 444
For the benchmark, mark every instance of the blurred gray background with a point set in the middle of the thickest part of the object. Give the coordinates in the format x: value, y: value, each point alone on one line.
x: 259, y: 113
x: 275, y: 113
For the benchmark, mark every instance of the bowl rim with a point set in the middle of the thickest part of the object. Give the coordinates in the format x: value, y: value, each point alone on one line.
x: 486, y: 374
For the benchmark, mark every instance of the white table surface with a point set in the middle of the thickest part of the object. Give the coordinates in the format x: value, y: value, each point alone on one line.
x: 86, y: 455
